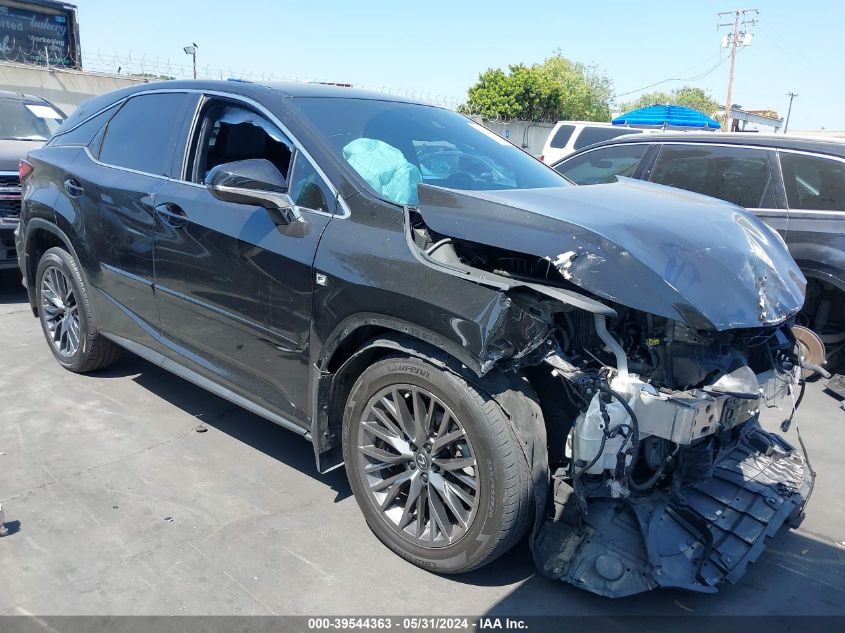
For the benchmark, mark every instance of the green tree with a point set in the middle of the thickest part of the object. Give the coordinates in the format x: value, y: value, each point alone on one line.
x: 520, y: 93
x: 694, y: 98
x: 586, y: 90
x: 558, y: 88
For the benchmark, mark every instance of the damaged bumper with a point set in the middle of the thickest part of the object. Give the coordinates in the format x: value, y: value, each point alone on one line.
x: 693, y: 538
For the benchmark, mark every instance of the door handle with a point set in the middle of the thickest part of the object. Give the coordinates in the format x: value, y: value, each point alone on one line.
x: 73, y: 188
x: 172, y: 215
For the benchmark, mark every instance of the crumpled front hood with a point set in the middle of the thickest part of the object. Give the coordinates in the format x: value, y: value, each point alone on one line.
x: 691, y: 258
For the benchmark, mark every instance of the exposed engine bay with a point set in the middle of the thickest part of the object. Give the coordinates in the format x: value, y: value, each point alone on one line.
x: 659, y: 471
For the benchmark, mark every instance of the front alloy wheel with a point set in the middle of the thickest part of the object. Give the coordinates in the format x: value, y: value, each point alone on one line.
x: 418, y: 465
x: 434, y: 463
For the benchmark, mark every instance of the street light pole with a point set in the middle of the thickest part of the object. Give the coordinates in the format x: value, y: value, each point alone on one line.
x: 192, y: 51
x: 791, y: 96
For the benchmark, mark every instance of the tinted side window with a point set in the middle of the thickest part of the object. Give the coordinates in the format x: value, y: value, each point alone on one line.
x: 307, y: 188
x: 590, y: 135
x: 737, y: 174
x: 229, y: 133
x: 144, y: 134
x: 85, y: 133
x: 603, y: 165
x: 562, y: 136
x: 813, y: 182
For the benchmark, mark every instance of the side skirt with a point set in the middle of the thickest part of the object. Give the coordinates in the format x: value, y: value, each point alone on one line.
x: 201, y: 381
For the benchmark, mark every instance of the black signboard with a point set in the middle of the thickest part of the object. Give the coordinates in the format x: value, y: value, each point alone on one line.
x: 35, y: 34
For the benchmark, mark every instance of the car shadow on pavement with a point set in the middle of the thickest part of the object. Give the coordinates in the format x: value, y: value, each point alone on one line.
x: 211, y: 410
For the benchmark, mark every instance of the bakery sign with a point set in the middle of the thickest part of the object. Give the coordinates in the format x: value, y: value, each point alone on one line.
x: 36, y: 34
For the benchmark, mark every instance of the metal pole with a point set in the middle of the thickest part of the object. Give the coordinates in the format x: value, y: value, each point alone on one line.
x: 195, y: 62
x: 731, y: 75
x: 791, y: 95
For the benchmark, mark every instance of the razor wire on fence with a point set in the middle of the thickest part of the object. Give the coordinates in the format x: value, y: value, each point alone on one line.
x: 144, y: 67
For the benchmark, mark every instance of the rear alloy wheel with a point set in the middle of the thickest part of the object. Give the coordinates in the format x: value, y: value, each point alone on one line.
x: 435, y: 465
x: 61, y: 311
x: 66, y: 317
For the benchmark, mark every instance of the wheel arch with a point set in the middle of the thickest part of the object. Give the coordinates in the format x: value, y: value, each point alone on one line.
x: 41, y: 236
x: 353, y: 345
x: 375, y: 338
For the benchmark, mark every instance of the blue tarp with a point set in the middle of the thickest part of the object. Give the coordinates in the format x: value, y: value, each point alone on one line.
x: 668, y: 115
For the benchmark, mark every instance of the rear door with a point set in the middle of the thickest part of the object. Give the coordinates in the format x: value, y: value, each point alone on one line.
x: 234, y: 285
x: 742, y: 175
x: 115, y: 183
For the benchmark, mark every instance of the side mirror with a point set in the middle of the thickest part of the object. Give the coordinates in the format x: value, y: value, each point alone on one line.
x: 255, y: 182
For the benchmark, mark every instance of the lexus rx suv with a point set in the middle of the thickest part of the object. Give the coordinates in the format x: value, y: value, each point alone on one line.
x: 487, y: 349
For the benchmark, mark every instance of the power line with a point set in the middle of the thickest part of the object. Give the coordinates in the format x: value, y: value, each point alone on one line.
x: 657, y: 83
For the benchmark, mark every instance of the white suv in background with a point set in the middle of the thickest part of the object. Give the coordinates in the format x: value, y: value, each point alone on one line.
x: 569, y: 136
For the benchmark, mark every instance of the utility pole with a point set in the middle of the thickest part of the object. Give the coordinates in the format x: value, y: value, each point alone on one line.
x: 739, y: 36
x: 791, y: 96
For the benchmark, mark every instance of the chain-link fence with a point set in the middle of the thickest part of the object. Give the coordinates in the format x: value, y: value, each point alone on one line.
x: 143, y: 66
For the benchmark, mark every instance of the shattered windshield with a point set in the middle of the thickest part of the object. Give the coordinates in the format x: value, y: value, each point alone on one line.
x: 395, y: 146
x: 20, y: 121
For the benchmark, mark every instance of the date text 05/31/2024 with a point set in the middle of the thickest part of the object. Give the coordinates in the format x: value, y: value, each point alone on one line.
x: 418, y: 623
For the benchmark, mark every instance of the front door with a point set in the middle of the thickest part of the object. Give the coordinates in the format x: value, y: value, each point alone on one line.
x: 233, y: 284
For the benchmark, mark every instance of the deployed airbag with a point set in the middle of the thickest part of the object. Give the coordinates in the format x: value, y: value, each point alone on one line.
x: 385, y: 169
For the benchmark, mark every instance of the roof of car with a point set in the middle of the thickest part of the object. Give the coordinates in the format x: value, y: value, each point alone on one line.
x: 253, y: 90
x: 293, y: 89
x: 823, y: 145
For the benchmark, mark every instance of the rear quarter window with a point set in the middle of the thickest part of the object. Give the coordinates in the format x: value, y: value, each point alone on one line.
x: 83, y: 134
x: 813, y: 182
x: 562, y: 136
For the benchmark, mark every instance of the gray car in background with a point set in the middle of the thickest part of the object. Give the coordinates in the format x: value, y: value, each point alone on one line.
x: 794, y: 184
x: 26, y: 122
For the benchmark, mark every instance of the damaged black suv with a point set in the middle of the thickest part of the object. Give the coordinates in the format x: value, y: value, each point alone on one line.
x: 488, y: 350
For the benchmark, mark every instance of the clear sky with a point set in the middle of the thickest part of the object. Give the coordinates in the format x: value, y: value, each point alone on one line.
x: 439, y: 47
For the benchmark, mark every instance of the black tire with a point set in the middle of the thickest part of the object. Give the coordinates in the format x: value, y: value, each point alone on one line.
x: 502, y: 475
x: 93, y: 351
